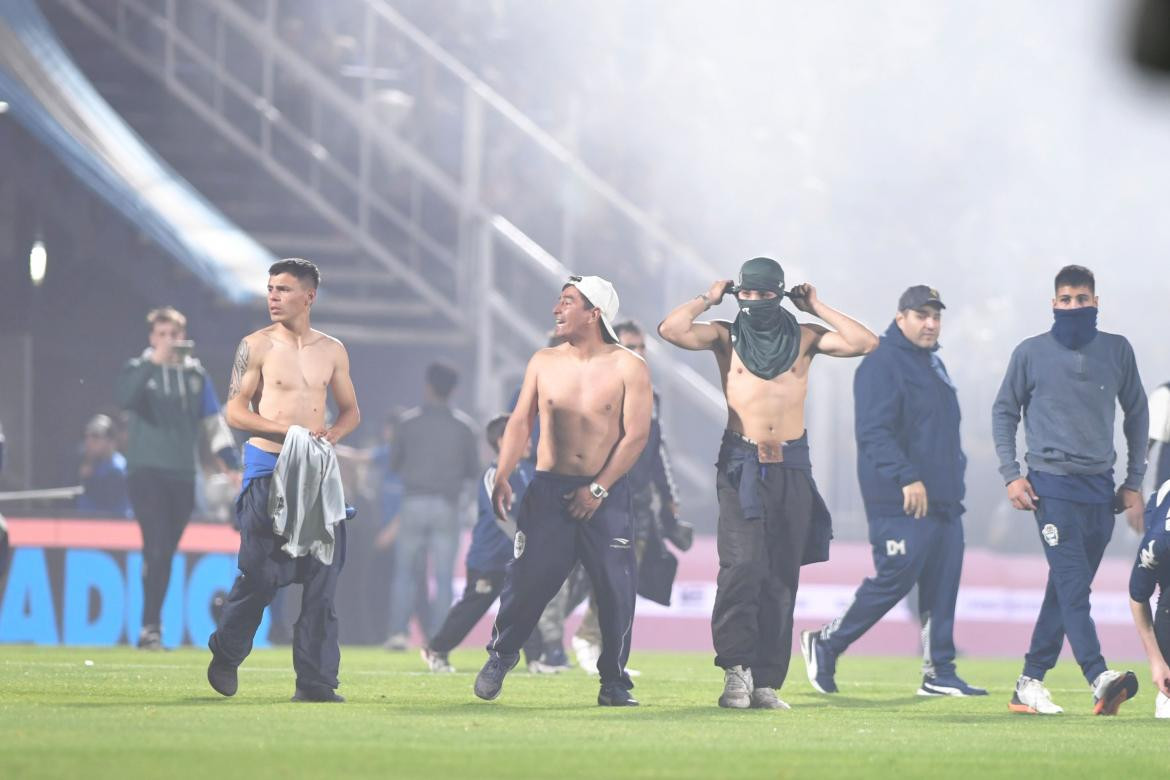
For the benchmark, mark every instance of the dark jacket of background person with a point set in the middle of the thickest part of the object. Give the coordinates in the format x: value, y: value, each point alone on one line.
x: 170, y: 407
x: 906, y: 419
x: 436, y: 451
x: 653, y: 466
x: 1068, y: 397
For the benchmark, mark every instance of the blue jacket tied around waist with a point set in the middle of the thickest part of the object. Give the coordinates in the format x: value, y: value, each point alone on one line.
x: 741, y: 462
x: 906, y: 419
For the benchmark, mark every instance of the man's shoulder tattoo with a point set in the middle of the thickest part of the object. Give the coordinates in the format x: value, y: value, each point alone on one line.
x: 239, y: 366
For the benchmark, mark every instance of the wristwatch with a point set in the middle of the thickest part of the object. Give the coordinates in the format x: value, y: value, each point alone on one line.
x: 597, y: 491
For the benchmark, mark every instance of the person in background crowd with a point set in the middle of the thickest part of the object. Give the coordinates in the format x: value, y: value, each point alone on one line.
x: 3, y: 523
x: 437, y: 457
x: 102, y: 471
x: 382, y: 486
x: 1159, y: 404
x: 492, y: 545
x: 171, y: 403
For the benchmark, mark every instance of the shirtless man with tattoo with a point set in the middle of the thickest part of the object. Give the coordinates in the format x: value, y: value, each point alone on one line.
x: 771, y: 518
x: 280, y: 379
x: 594, y: 401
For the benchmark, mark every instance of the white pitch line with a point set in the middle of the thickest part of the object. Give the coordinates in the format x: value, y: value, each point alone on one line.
x: 98, y: 666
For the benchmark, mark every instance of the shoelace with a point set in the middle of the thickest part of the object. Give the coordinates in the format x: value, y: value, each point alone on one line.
x: 740, y: 678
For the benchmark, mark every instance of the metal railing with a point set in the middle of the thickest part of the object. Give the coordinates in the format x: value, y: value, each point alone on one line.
x: 408, y: 154
x: 313, y: 163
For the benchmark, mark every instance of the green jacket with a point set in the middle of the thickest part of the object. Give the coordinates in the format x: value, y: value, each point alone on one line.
x: 170, y: 408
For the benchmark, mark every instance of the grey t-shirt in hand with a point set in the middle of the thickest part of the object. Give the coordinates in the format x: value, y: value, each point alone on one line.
x: 1068, y: 399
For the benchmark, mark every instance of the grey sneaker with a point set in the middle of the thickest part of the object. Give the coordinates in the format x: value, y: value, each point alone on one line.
x: 490, y: 680
x: 737, y: 688
x: 150, y: 638
x: 436, y: 662
x: 396, y: 643
x: 766, y: 699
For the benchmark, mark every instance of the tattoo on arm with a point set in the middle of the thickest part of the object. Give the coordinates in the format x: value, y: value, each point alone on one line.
x: 239, y: 366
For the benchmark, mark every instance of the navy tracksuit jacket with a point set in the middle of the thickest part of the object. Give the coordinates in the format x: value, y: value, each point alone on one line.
x: 906, y: 418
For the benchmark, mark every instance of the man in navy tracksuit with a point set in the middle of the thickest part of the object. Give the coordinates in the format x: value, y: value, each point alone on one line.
x: 1067, y: 382
x: 910, y: 465
x: 1151, y: 570
x: 593, y: 398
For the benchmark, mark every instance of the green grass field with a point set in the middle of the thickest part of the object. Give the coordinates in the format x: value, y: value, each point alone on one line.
x: 133, y: 714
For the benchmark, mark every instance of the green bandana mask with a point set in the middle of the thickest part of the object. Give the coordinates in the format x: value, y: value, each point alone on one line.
x: 765, y: 335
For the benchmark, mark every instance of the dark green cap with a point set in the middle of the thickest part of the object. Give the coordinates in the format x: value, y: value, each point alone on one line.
x: 762, y: 273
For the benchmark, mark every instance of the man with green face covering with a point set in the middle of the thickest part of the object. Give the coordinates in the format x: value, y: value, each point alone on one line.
x: 771, y: 518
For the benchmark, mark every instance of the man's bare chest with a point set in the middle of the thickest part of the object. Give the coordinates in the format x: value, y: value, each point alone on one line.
x: 590, y: 391
x: 741, y: 382
x: 294, y: 370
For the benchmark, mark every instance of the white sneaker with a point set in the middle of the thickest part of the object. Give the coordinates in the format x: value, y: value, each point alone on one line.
x: 587, y: 654
x: 1033, y: 698
x: 737, y: 688
x: 1112, y: 689
x: 436, y: 662
x: 1162, y: 706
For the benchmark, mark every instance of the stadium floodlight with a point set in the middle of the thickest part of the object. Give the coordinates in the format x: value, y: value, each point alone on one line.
x: 38, y: 261
x: 3, y: 106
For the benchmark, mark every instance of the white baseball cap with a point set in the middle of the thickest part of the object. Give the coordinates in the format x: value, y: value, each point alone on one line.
x: 602, y: 295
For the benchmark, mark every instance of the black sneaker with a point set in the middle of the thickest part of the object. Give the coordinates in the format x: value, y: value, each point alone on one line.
x: 317, y: 695
x: 222, y: 676
x: 150, y: 638
x: 554, y: 655
x: 490, y: 680
x: 615, y: 695
x: 948, y: 685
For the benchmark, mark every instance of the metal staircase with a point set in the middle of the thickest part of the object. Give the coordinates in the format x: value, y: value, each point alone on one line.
x: 393, y: 158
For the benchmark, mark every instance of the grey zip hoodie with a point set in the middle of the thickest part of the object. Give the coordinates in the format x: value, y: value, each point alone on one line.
x: 1068, y: 398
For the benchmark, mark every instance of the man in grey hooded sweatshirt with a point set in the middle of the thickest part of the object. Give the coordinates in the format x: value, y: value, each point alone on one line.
x: 1067, y: 382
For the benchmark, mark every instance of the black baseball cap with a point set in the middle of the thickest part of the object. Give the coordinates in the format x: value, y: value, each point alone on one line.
x: 918, y: 296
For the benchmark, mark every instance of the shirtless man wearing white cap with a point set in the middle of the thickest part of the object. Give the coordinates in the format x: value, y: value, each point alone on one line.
x: 594, y: 401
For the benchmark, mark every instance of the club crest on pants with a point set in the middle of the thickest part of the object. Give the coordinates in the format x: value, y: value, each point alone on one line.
x: 1051, y: 535
x: 518, y: 545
